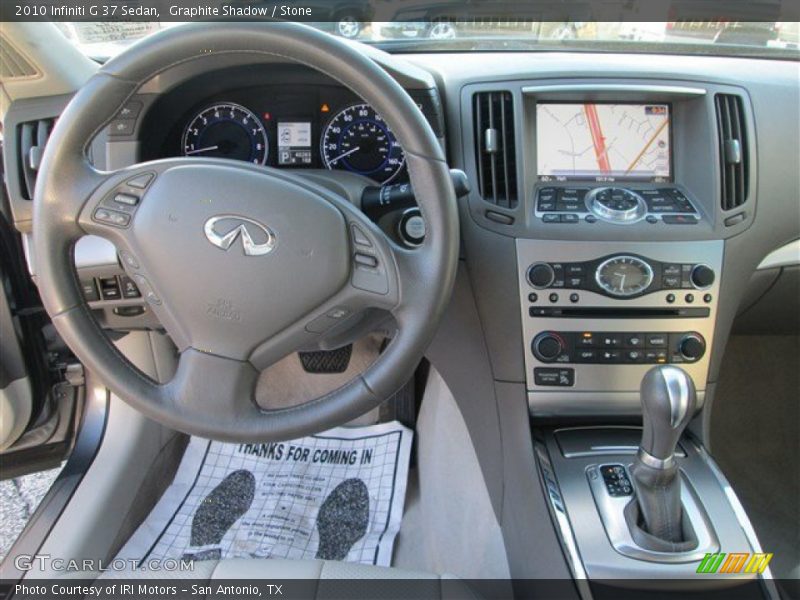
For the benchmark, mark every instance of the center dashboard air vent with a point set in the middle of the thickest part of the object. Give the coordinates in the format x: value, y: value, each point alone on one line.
x: 495, y: 150
x: 32, y: 139
x: 732, y: 133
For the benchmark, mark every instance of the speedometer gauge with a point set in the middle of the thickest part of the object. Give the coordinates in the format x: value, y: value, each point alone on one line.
x: 359, y: 140
x: 226, y: 131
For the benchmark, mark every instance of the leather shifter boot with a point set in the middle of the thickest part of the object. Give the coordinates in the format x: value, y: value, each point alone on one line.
x: 658, y: 494
x: 668, y: 403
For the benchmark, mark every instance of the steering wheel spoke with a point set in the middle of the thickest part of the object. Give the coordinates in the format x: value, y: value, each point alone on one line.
x: 213, y: 389
x: 109, y: 210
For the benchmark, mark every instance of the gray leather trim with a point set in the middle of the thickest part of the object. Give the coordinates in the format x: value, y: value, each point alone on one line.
x: 212, y: 396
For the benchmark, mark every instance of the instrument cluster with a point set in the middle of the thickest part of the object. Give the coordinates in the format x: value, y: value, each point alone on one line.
x: 294, y: 126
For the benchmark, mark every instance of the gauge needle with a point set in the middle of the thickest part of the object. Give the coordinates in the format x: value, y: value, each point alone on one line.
x: 622, y: 282
x: 199, y: 150
x: 348, y: 153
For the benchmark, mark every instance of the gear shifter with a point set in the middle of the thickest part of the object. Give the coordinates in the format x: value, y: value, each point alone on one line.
x: 668, y: 403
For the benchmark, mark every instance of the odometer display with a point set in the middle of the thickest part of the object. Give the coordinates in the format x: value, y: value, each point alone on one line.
x: 226, y: 131
x: 624, y: 276
x: 359, y: 140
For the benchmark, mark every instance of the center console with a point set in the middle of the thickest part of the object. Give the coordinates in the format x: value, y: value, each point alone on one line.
x: 619, y: 293
x: 623, y: 268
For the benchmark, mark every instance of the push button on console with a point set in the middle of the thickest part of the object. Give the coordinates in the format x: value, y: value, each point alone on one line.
x: 554, y: 376
x: 657, y: 340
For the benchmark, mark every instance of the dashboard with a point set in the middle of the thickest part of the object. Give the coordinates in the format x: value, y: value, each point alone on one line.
x: 619, y: 204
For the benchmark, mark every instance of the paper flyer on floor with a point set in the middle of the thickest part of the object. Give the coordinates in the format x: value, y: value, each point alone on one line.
x: 337, y: 495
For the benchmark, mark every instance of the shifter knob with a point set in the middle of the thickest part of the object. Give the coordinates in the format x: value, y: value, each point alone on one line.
x: 668, y: 403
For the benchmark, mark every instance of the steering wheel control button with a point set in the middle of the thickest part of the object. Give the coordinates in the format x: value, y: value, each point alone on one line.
x: 122, y: 127
x: 129, y: 289
x: 366, y: 260
x: 359, y: 237
x: 129, y: 260
x: 109, y: 288
x: 126, y: 199
x: 112, y: 217
x: 550, y: 376
x: 140, y: 182
x: 146, y: 290
x: 89, y: 290
x: 130, y: 110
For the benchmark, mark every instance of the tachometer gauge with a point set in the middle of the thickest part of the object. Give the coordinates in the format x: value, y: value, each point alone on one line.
x: 226, y: 130
x: 624, y: 276
x: 358, y: 139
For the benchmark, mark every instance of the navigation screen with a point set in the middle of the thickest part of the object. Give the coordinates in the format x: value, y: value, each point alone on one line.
x: 603, y: 142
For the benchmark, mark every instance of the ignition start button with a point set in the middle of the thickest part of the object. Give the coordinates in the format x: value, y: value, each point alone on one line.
x: 412, y: 227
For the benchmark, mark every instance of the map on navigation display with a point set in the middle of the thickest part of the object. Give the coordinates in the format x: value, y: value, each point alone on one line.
x: 603, y: 142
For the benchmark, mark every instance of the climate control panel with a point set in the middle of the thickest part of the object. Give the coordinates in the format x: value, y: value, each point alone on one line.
x: 618, y: 348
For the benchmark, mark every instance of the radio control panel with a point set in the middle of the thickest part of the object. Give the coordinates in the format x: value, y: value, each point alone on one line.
x: 620, y: 275
x: 597, y: 315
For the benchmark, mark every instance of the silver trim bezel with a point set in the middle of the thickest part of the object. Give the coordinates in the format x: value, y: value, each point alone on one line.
x: 612, y: 515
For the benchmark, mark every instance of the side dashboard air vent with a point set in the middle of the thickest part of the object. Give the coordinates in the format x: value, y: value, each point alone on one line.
x: 732, y: 150
x: 12, y: 64
x: 495, y: 149
x: 32, y: 139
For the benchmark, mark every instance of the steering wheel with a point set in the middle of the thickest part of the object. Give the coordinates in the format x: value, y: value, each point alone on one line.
x: 241, y: 264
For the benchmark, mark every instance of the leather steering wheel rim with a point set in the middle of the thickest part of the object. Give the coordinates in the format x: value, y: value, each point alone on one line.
x: 212, y: 393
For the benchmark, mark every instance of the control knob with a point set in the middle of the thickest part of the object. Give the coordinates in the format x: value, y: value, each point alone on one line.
x: 692, y: 346
x: 547, y: 346
x: 702, y: 276
x: 541, y: 275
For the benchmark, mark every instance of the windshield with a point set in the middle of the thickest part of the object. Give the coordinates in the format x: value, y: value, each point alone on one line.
x: 432, y: 33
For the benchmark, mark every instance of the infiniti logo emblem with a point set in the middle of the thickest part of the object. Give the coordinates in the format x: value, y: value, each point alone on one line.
x: 224, y: 230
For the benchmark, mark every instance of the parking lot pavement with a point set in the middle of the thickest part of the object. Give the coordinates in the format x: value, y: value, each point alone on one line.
x: 19, y: 498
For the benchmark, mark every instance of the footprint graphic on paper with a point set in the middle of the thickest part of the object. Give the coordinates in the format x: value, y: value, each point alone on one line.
x: 342, y: 519
x: 218, y: 511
